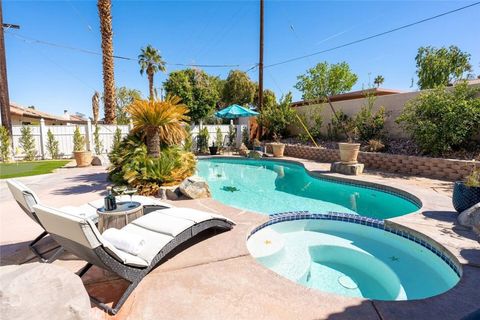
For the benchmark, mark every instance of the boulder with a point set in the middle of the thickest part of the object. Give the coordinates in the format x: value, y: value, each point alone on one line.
x: 169, y: 193
x: 42, y: 291
x: 471, y: 218
x: 194, y: 188
x: 100, y: 160
x: 344, y: 168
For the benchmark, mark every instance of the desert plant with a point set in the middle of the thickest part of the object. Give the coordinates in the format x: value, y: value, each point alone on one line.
x: 131, y: 165
x: 370, y: 125
x: 188, y: 142
x: 78, y: 140
x: 441, y: 119
x: 52, y: 145
x: 27, y: 143
x: 161, y: 122
x: 232, y: 132
x: 375, y: 145
x: 473, y: 179
x: 202, y: 140
x: 219, y: 138
x: 5, y: 144
x: 97, y: 141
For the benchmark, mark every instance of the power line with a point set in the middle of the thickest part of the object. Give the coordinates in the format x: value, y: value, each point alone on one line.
x: 87, y: 51
x: 372, y: 36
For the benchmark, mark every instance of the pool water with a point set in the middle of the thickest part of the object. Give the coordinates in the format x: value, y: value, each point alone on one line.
x: 351, y: 259
x: 270, y: 187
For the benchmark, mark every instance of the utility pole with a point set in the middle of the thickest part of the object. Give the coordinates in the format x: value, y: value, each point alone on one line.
x: 260, y: 62
x: 4, y: 99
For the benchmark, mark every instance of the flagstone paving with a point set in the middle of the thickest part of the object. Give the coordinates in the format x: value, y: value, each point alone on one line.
x: 214, y: 277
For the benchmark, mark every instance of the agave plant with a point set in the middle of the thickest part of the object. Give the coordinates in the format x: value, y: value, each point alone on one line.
x: 160, y: 122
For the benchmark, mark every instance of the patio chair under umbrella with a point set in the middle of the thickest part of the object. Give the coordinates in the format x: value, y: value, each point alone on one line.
x: 235, y: 111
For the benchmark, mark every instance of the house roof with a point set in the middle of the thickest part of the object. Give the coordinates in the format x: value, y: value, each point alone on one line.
x: 349, y: 96
x: 16, y: 109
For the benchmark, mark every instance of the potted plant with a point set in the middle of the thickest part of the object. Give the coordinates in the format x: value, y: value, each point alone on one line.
x: 348, y: 150
x: 278, y: 148
x: 213, y: 149
x: 83, y: 158
x: 467, y: 193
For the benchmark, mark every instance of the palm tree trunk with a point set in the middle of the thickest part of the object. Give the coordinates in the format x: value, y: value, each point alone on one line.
x: 153, y: 142
x: 150, y: 84
x: 104, y: 12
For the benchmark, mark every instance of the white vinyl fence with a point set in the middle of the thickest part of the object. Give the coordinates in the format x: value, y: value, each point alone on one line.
x: 64, y: 135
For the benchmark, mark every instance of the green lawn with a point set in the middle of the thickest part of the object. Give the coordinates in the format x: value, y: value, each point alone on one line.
x: 23, y: 169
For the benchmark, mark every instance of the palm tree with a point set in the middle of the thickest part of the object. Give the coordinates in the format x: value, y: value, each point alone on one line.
x: 378, y: 80
x: 105, y: 14
x: 151, y: 62
x: 159, y: 121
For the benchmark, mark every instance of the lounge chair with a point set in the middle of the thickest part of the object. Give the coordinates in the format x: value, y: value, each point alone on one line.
x: 26, y: 199
x: 162, y: 230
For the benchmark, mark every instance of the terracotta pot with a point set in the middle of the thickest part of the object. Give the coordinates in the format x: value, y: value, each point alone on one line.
x: 83, y: 158
x: 278, y: 149
x: 349, y: 152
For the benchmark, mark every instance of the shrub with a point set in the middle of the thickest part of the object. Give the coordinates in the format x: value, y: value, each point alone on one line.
x: 97, y: 141
x: 441, y: 120
x: 78, y: 140
x: 5, y: 144
x: 277, y: 117
x: 370, y: 125
x: 245, y: 136
x: 52, y: 145
x: 232, y: 132
x: 313, y: 120
x: 131, y: 165
x: 375, y: 145
x: 219, y: 138
x: 27, y: 143
x: 202, y: 140
x: 340, y: 123
x: 188, y: 143
x: 117, y: 139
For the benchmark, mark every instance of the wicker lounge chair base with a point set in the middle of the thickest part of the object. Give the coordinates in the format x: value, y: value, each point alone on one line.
x: 177, y: 226
x: 40, y: 256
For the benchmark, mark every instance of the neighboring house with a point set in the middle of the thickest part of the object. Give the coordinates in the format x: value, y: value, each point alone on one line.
x: 350, y: 96
x: 31, y: 116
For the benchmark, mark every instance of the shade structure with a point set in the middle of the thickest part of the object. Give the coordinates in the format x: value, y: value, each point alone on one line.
x: 235, y: 111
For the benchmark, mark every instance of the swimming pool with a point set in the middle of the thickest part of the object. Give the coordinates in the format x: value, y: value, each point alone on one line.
x: 352, y: 256
x: 269, y: 187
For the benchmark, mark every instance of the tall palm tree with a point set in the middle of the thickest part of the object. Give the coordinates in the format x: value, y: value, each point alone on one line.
x: 105, y: 14
x: 160, y: 122
x: 150, y: 62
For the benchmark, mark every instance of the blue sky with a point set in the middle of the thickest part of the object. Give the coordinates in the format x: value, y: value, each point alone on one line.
x: 221, y: 32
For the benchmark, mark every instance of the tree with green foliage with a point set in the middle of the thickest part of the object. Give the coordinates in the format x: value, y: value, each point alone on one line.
x: 78, y: 140
x: 326, y: 80
x: 198, y: 90
x: 202, y: 140
x: 238, y: 88
x: 117, y: 138
x: 232, y: 133
x: 378, y: 81
x: 123, y: 98
x: 5, y: 144
x: 443, y: 119
x: 276, y: 118
x: 219, y: 138
x: 27, y: 143
x: 441, y: 66
x: 97, y: 141
x: 150, y: 62
x: 369, y: 124
x: 52, y: 145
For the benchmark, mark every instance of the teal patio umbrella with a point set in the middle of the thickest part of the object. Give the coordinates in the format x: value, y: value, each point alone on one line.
x: 235, y: 111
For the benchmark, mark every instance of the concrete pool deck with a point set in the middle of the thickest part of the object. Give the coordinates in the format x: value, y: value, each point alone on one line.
x: 214, y: 277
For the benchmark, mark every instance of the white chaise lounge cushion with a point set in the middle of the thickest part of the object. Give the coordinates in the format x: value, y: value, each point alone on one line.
x: 163, y: 223
x: 125, y: 241
x: 192, y: 214
x: 83, y: 211
x: 24, y: 196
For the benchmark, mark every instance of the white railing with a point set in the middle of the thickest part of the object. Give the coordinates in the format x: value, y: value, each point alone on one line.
x: 64, y: 135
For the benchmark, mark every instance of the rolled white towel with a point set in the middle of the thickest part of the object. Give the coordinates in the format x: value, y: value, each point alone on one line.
x: 124, y: 240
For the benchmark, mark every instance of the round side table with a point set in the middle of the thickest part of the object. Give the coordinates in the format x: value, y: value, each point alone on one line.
x: 125, y: 213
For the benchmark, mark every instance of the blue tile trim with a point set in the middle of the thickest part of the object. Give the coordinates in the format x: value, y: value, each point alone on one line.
x: 354, y: 218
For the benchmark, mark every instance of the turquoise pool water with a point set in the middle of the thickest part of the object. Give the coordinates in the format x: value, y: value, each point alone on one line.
x: 273, y: 186
x: 351, y: 259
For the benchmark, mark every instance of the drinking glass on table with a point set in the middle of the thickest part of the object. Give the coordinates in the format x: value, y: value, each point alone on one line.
x: 131, y: 192
x: 119, y: 190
